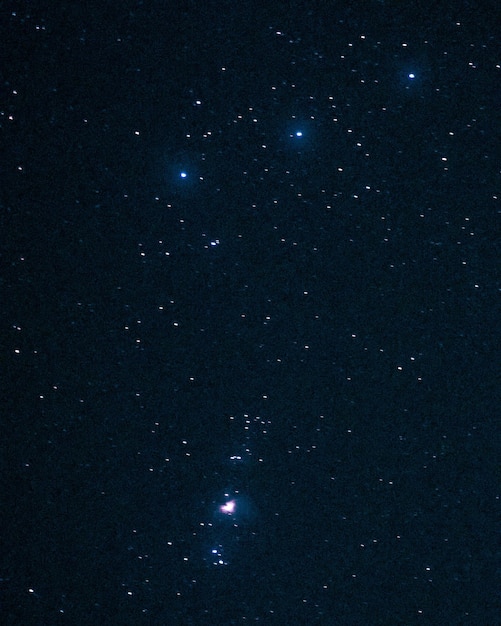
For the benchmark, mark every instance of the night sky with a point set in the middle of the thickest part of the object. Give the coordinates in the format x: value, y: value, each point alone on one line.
x: 249, y: 313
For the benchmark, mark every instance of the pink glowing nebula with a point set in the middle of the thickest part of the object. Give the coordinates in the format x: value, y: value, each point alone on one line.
x: 228, y: 507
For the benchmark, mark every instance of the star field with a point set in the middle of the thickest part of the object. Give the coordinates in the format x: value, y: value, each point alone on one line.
x: 250, y: 317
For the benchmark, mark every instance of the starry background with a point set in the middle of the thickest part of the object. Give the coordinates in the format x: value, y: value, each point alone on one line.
x: 249, y: 256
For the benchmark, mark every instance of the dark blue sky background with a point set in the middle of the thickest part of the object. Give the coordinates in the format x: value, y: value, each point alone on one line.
x: 304, y: 325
